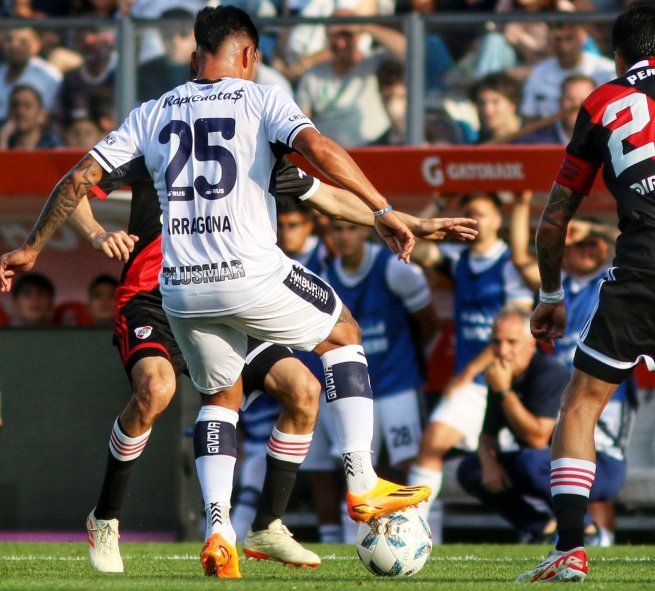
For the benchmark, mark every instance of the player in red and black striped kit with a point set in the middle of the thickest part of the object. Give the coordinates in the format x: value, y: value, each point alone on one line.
x: 152, y: 358
x: 615, y: 131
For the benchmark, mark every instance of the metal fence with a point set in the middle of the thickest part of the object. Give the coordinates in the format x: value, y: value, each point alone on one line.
x: 413, y: 25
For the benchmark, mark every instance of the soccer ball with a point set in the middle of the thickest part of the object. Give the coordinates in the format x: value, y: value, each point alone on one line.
x: 395, y: 545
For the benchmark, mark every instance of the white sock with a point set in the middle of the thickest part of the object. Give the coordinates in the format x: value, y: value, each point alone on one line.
x: 251, y: 479
x: 348, y: 526
x: 427, y: 477
x: 330, y: 533
x: 242, y: 518
x: 215, y: 449
x: 360, y: 474
x: 350, y: 400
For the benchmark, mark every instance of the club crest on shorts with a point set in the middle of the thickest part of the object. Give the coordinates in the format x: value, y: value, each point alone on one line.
x: 143, y: 332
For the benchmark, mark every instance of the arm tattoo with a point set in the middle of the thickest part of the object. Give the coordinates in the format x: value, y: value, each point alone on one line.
x: 64, y: 199
x: 551, y: 234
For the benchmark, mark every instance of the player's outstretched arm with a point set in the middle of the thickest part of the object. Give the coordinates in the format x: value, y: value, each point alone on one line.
x: 333, y: 161
x: 62, y: 201
x: 116, y: 245
x: 548, y: 320
x: 344, y: 205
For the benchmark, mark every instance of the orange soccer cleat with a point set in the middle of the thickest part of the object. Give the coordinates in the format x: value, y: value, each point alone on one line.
x: 220, y: 559
x: 384, y: 498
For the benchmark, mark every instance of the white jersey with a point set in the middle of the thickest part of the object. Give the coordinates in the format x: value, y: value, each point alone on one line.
x: 209, y: 147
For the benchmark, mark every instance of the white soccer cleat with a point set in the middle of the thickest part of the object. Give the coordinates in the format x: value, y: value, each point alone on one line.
x: 570, y: 566
x: 103, y: 544
x: 277, y: 543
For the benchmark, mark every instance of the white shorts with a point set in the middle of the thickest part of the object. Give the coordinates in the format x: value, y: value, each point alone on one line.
x: 300, y: 313
x: 464, y: 410
x: 397, y: 425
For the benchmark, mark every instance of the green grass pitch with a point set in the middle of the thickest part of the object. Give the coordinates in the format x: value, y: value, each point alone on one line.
x: 164, y: 567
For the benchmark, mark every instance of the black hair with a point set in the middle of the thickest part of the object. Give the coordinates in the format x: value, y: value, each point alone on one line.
x: 390, y: 72
x: 633, y: 34
x: 26, y: 87
x: 102, y: 279
x: 501, y: 83
x: 33, y: 280
x: 293, y: 206
x: 488, y: 195
x: 215, y: 24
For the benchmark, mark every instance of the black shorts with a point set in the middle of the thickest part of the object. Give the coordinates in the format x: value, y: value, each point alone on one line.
x: 260, y: 358
x: 142, y: 330
x: 621, y: 331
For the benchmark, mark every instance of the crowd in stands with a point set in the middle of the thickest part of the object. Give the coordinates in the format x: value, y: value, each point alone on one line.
x: 483, y: 83
x: 34, y: 304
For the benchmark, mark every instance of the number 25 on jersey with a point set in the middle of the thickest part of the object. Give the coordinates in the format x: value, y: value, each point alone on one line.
x: 198, y: 146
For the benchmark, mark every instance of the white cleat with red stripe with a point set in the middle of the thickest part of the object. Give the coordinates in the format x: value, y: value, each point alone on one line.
x: 103, y: 544
x: 570, y: 566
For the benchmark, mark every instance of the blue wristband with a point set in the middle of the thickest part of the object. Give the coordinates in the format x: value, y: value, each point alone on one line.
x: 379, y: 212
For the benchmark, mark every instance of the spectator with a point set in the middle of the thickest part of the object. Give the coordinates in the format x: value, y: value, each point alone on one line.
x: 87, y: 89
x: 82, y: 133
x: 541, y: 94
x: 173, y: 67
x: 485, y: 282
x: 27, y: 125
x: 101, y: 300
x: 575, y: 89
x: 524, y: 389
x: 34, y: 298
x: 497, y: 97
x: 524, y: 393
x: 341, y: 95
x: 391, y: 82
x: 22, y: 67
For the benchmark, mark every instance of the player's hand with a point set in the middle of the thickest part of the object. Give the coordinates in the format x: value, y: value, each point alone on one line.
x: 20, y: 260
x: 499, y: 375
x: 460, y: 229
x: 396, y: 234
x: 116, y: 245
x: 495, y: 479
x: 548, y: 322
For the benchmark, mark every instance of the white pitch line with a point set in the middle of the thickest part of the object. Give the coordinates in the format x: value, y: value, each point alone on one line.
x: 182, y: 557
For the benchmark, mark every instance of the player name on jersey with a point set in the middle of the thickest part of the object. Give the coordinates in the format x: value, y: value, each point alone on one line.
x: 206, y: 273
x: 200, y: 225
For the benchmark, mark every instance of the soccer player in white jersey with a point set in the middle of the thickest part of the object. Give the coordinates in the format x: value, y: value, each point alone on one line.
x: 211, y: 145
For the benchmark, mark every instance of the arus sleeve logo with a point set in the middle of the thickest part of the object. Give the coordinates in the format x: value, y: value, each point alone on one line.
x: 143, y: 332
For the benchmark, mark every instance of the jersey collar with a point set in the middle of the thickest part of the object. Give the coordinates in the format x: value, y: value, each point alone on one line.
x: 643, y: 64
x: 207, y: 81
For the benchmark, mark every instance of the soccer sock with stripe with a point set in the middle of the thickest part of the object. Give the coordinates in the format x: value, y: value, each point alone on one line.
x: 350, y: 400
x: 285, y: 454
x: 215, y: 448
x: 570, y: 484
x: 123, y: 453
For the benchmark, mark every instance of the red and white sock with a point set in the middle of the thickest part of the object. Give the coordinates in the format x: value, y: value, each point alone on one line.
x: 125, y: 448
x: 570, y: 476
x: 288, y: 447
